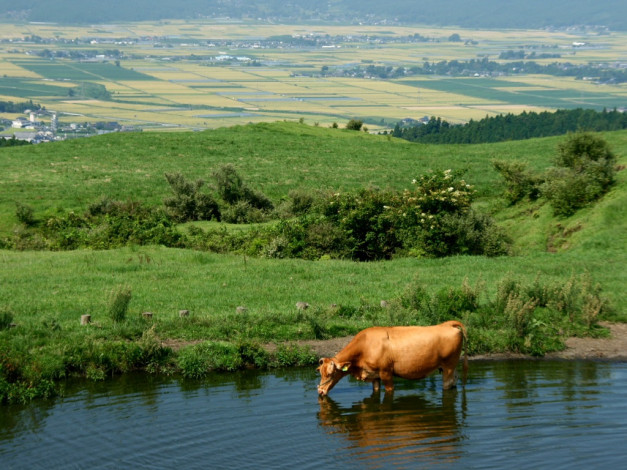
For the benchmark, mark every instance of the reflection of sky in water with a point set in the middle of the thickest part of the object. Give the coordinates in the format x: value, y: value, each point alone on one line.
x: 525, y: 414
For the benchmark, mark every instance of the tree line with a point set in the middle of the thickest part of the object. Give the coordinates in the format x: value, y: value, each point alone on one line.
x: 501, y: 128
x: 468, y: 68
x: 12, y: 107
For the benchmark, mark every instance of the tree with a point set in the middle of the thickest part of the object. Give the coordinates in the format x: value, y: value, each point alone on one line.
x: 584, y: 171
x: 354, y: 125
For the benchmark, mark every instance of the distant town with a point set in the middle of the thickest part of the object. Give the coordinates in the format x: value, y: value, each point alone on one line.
x: 40, y: 125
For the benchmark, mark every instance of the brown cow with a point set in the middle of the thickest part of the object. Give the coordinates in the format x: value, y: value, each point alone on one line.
x: 411, y: 352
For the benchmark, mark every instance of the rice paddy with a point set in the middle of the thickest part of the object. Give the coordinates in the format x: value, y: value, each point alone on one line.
x: 195, y: 75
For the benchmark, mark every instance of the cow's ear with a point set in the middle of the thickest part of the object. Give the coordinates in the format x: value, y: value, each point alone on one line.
x: 344, y: 366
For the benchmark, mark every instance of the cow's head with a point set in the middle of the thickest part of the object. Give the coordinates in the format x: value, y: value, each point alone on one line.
x: 330, y: 373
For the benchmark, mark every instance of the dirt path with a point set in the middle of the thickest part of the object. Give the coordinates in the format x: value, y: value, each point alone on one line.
x: 612, y: 348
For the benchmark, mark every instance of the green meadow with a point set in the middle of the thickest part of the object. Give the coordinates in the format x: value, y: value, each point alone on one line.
x: 43, y: 294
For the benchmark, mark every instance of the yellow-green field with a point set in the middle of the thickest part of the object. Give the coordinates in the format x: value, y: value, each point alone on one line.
x: 185, y: 87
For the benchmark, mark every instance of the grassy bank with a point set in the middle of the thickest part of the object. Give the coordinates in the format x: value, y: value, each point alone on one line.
x: 563, y: 276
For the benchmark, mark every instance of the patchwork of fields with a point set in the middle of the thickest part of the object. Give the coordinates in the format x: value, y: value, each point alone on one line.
x: 195, y: 75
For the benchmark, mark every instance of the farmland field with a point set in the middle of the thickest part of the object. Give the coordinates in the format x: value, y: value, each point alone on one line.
x: 202, y: 74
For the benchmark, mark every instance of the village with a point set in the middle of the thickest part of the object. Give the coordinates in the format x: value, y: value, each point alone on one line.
x: 39, y: 126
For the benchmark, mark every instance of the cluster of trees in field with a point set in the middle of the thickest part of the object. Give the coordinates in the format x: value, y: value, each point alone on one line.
x: 602, y: 73
x: 513, y: 127
x: 12, y: 107
x: 12, y: 142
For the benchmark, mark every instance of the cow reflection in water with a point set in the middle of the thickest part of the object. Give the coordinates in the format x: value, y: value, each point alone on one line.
x: 398, y: 429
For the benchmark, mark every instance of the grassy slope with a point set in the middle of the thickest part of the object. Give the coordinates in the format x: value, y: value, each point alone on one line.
x: 272, y: 157
x: 276, y: 158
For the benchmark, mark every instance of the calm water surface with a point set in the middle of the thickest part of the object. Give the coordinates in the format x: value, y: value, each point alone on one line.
x: 521, y: 414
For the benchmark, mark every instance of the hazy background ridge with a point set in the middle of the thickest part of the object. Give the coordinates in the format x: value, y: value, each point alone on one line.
x: 463, y: 13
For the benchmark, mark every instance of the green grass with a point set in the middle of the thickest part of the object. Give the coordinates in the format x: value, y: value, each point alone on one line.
x: 47, y: 292
x: 496, y: 91
x: 72, y: 70
x: 271, y: 157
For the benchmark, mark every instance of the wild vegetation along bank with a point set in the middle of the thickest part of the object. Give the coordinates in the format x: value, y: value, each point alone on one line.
x: 561, y: 274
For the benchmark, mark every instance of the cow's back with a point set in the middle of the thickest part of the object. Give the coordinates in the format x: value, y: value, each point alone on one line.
x: 416, y: 351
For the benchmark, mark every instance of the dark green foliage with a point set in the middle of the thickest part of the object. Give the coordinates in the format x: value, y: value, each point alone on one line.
x: 6, y: 318
x: 188, y: 202
x: 242, y: 212
x: 232, y: 189
x: 16, y: 108
x: 584, y: 172
x: 354, y: 125
x: 433, y: 220
x: 513, y: 127
x: 106, y: 224
x: 521, y: 182
x: 366, y: 230
x: 301, y: 201
x: 24, y: 214
x: 12, y: 142
x: 90, y: 90
x: 529, y: 318
x: 197, y: 361
x: 539, y: 315
x: 243, y: 204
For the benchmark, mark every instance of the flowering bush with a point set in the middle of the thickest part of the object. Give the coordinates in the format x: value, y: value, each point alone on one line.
x: 435, y: 219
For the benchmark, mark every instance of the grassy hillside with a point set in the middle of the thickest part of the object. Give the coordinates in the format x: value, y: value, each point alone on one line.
x: 47, y: 292
x: 272, y: 157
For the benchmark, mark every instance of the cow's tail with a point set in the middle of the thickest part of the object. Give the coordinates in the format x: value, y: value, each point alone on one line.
x: 462, y: 328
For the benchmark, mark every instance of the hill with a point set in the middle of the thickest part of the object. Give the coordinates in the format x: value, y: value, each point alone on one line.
x: 470, y: 13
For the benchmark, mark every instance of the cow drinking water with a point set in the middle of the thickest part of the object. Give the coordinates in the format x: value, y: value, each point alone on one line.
x: 378, y: 354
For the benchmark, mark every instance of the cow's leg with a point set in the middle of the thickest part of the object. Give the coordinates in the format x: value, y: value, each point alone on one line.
x: 376, y: 385
x: 449, y: 377
x: 388, y: 380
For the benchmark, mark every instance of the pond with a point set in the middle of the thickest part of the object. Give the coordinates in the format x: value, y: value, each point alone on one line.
x: 519, y: 414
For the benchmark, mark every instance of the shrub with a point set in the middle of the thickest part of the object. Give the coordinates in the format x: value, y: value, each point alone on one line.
x: 584, y: 172
x: 24, y: 214
x: 367, y: 230
x: 242, y: 212
x: 354, y: 125
x: 301, y: 201
x: 470, y: 233
x: 519, y: 181
x: 188, y: 202
x: 232, y: 189
x: 119, y: 300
